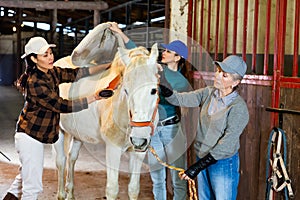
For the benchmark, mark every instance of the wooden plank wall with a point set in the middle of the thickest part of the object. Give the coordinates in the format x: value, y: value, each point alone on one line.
x: 254, y: 140
x: 289, y: 97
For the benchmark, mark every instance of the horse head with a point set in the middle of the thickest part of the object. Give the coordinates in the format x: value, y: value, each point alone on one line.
x: 140, y: 86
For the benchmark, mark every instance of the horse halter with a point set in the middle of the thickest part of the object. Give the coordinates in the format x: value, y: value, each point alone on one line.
x: 114, y: 84
x: 147, y: 123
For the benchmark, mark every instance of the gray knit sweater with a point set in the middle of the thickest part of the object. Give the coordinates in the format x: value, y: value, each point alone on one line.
x: 218, y: 133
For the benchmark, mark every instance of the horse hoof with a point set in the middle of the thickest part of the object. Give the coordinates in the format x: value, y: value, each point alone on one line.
x: 61, y: 197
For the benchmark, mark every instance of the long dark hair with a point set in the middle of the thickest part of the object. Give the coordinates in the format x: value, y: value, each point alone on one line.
x: 30, y: 67
x: 182, y: 67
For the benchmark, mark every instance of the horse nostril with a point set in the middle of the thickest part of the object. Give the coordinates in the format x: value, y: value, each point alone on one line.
x: 138, y: 143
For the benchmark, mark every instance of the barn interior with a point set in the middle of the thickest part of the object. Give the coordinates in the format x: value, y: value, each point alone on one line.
x: 73, y: 20
x: 264, y: 33
x: 66, y: 23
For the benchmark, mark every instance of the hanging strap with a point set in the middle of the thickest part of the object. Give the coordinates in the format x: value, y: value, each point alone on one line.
x: 277, y: 177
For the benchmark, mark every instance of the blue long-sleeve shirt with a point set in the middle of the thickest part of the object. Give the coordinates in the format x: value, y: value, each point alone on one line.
x: 178, y: 83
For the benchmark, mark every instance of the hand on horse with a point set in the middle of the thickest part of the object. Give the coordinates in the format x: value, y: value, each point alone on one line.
x: 196, y: 168
x: 165, y: 88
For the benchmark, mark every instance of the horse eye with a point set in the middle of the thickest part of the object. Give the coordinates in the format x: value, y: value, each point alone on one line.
x: 153, y: 91
x: 125, y: 91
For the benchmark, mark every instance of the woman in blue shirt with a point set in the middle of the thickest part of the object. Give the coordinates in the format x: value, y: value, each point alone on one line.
x: 168, y: 140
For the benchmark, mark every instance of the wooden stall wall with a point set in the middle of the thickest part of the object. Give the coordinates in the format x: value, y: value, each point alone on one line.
x: 291, y: 125
x: 266, y: 35
x: 254, y: 141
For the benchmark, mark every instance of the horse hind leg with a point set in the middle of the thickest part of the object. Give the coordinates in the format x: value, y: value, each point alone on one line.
x: 59, y: 147
x: 72, y: 157
x: 135, y: 165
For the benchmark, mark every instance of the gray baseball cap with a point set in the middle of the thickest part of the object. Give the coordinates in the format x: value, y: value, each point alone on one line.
x: 233, y: 64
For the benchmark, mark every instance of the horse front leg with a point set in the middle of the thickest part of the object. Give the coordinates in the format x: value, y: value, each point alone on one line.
x: 113, y: 157
x: 135, y: 165
x: 72, y: 157
x: 60, y: 165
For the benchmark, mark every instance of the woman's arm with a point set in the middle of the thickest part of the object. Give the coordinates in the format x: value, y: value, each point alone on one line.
x: 40, y: 93
x: 115, y: 28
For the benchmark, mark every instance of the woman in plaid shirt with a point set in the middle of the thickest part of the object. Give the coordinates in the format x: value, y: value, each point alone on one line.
x: 38, y: 122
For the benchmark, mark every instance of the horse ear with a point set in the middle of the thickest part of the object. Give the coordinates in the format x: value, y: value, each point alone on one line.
x: 153, y: 54
x: 124, y: 55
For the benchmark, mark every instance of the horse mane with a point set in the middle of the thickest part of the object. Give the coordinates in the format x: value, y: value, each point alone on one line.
x: 118, y: 67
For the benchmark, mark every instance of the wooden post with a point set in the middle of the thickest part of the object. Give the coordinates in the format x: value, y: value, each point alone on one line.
x: 18, y: 59
x: 53, y: 23
x: 96, y: 17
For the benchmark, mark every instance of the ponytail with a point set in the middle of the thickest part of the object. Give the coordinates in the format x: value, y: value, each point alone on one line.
x: 182, y: 67
x: 30, y: 66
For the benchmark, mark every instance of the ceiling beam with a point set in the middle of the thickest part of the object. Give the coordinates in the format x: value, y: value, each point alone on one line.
x: 41, y: 5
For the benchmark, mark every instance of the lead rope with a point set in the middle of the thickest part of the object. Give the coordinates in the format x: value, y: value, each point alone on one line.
x: 278, y: 172
x: 191, y: 183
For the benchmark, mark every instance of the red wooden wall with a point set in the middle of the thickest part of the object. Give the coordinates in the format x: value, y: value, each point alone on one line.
x: 266, y: 35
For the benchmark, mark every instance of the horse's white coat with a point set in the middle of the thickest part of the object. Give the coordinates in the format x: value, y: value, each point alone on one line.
x: 107, y: 120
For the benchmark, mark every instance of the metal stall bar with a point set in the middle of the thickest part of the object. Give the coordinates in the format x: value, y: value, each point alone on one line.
x: 278, y: 54
x: 190, y: 21
x: 296, y: 39
x: 201, y: 30
x: 245, y: 22
x: 282, y: 31
x: 254, y: 44
x: 192, y: 30
x: 217, y: 30
x: 226, y: 17
x: 276, y: 73
x: 195, y: 4
x: 208, y: 35
x: 235, y: 20
x: 267, y: 38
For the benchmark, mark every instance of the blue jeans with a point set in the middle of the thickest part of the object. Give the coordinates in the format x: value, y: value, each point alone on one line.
x: 220, y: 180
x: 170, y: 144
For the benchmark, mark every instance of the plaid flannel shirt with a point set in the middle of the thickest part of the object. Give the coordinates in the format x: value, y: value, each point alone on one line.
x: 40, y: 115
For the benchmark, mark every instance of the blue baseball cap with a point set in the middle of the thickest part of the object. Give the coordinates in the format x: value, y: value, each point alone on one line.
x: 233, y: 64
x: 179, y: 47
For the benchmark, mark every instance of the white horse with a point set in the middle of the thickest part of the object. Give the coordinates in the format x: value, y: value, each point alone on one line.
x: 124, y: 122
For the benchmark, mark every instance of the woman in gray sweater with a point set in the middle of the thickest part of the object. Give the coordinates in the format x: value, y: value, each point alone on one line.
x: 223, y: 117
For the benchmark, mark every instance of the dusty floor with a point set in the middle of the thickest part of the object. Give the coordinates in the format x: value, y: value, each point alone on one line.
x: 88, y: 185
x: 90, y: 175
